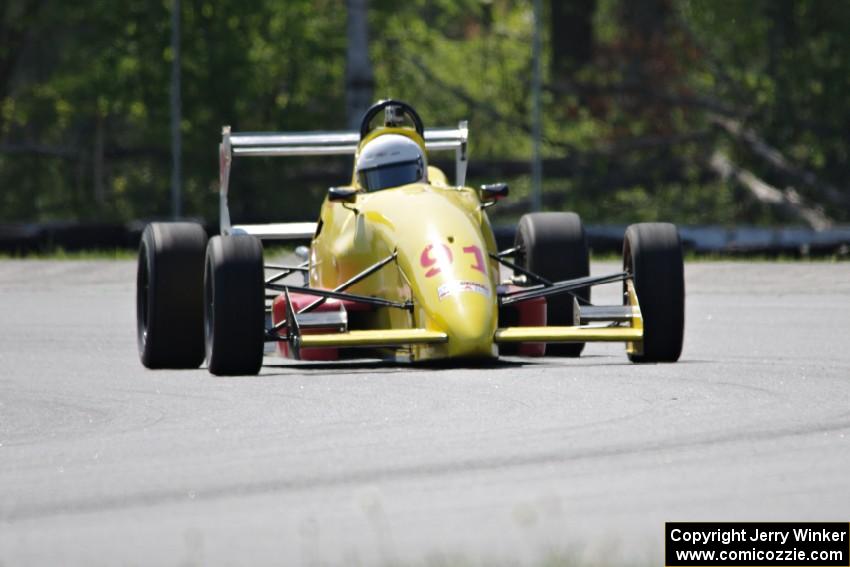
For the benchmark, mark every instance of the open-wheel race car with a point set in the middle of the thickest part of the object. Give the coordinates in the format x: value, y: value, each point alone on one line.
x: 402, y: 265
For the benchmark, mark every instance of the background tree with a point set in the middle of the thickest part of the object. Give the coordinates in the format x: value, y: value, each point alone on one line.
x: 359, y: 79
x: 653, y: 108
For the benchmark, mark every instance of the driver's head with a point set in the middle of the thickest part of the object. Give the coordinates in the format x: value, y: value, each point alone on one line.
x: 390, y: 160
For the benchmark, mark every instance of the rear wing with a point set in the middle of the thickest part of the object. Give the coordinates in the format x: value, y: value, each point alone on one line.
x: 264, y: 144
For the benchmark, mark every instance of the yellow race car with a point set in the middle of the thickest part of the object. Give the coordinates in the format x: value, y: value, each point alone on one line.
x: 402, y: 264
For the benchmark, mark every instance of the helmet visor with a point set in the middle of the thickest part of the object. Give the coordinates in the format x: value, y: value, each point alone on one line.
x: 392, y: 175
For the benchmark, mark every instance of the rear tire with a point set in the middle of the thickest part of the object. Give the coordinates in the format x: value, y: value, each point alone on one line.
x: 234, y: 300
x: 652, y: 252
x: 554, y: 245
x: 169, y: 295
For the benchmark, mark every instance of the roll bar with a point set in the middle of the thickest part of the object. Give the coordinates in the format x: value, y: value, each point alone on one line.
x: 237, y: 144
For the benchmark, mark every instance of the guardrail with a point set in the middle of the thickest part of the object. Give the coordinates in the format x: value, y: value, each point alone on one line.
x: 28, y: 238
x: 733, y: 241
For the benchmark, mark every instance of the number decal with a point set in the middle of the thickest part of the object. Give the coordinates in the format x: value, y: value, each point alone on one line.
x: 479, y: 257
x: 434, y: 257
x: 443, y: 256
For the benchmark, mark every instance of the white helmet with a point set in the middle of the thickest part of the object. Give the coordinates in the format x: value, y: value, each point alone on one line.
x: 390, y: 160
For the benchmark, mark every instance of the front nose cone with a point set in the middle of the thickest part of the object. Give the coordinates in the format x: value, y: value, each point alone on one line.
x: 443, y: 255
x: 467, y: 316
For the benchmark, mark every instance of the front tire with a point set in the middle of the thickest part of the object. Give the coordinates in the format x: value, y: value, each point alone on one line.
x: 554, y: 245
x: 234, y: 299
x: 652, y: 253
x: 169, y: 295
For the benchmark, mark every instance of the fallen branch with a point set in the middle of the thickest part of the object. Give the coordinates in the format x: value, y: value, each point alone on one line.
x: 788, y: 200
x: 779, y: 162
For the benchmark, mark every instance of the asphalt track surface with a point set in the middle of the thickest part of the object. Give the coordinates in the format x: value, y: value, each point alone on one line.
x: 105, y: 463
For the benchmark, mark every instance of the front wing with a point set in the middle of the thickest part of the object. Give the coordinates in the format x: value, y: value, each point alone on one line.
x: 625, y: 324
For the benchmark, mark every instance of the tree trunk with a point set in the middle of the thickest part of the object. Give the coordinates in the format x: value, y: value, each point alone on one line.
x: 359, y: 80
x: 644, y: 24
x: 571, y: 33
x: 97, y: 161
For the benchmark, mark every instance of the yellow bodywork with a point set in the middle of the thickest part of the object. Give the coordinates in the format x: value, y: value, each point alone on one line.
x: 375, y: 338
x: 634, y: 346
x: 443, y: 239
x: 567, y: 334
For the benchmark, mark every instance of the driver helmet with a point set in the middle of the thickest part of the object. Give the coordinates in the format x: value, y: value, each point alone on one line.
x: 390, y: 160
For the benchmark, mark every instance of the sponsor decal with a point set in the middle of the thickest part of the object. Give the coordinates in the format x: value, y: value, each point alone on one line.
x: 459, y: 286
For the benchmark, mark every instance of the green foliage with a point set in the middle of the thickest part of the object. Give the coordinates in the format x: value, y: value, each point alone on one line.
x: 105, y: 65
x: 84, y: 101
x: 788, y: 70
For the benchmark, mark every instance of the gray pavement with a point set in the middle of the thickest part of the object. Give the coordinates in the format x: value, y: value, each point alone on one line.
x: 105, y: 463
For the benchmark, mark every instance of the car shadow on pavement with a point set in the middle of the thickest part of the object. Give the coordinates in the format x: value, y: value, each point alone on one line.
x: 374, y: 366
x: 386, y: 366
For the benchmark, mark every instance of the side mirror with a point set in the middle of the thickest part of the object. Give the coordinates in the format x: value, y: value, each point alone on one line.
x: 342, y: 194
x: 493, y: 192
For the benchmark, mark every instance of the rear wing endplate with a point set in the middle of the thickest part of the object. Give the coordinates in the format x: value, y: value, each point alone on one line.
x: 265, y: 144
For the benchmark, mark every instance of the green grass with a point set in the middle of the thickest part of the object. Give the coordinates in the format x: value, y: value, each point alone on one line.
x: 75, y: 255
x: 716, y: 257
x: 277, y: 251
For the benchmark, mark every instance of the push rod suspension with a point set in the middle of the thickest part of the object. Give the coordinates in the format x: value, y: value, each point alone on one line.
x: 287, y: 270
x: 520, y: 269
x: 560, y: 287
x: 342, y: 287
x: 508, y: 252
x: 326, y: 293
x: 544, y: 283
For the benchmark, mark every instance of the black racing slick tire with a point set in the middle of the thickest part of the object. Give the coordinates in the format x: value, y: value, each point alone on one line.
x: 554, y: 246
x: 234, y: 301
x: 652, y: 253
x: 169, y: 295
